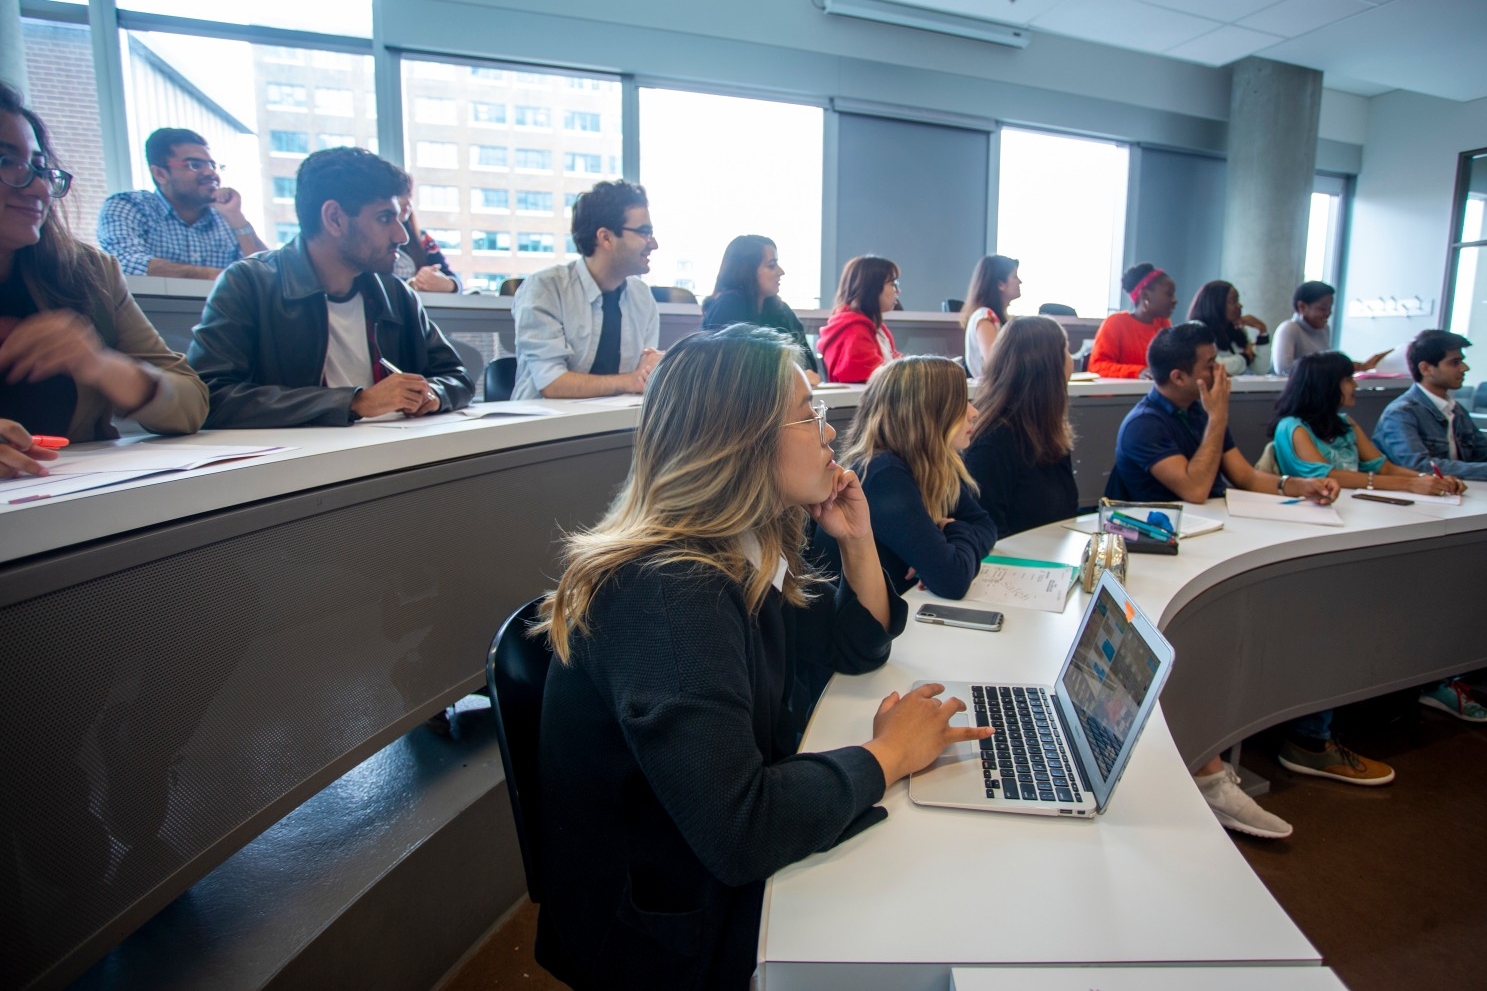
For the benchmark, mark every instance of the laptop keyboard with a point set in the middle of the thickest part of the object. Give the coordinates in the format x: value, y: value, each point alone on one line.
x: 1025, y: 758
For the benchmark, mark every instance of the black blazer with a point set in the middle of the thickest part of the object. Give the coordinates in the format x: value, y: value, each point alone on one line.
x: 261, y: 343
x: 669, y: 786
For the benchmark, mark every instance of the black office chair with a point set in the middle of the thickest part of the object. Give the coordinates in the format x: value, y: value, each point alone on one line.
x: 951, y: 305
x: 516, y: 675
x: 1056, y: 310
x: 510, y: 286
x: 500, y: 379
x: 672, y: 294
x: 470, y: 355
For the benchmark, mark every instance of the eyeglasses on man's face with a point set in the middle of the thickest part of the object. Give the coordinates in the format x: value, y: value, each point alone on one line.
x: 18, y: 173
x: 818, y: 417
x: 644, y: 230
x: 201, y: 165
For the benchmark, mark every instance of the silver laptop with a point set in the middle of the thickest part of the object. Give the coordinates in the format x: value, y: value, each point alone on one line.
x: 1058, y: 750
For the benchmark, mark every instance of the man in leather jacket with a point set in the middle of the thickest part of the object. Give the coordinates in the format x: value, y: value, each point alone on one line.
x: 318, y: 332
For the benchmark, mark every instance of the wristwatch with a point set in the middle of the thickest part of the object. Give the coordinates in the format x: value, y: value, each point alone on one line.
x: 242, y: 231
x: 1281, y: 487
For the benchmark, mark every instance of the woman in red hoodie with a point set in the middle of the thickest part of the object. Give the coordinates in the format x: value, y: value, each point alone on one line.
x: 855, y: 341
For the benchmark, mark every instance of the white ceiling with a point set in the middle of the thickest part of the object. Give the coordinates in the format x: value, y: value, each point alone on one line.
x: 1436, y: 47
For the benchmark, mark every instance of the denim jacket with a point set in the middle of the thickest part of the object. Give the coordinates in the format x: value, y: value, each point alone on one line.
x: 1412, y: 432
x: 261, y: 343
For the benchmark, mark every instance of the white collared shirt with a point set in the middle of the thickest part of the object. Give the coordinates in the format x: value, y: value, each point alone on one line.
x: 1448, y: 410
x: 559, y: 314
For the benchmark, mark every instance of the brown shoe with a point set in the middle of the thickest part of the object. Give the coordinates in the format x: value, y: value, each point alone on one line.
x: 1336, y: 762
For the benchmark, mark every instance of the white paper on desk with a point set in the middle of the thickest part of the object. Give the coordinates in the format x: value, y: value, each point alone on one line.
x: 477, y: 411
x: 1193, y: 525
x: 1044, y: 588
x: 612, y: 402
x: 1260, y: 506
x: 80, y: 470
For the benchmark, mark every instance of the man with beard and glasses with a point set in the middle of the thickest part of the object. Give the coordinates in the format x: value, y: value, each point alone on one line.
x: 319, y: 332
x: 189, y: 226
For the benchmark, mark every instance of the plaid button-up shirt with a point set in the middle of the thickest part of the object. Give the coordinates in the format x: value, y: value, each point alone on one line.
x: 141, y: 224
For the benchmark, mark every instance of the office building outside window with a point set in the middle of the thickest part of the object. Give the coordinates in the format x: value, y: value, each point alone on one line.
x: 508, y: 180
x: 63, y: 91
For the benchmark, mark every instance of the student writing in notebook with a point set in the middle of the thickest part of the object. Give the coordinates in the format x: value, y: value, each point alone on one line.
x: 670, y: 785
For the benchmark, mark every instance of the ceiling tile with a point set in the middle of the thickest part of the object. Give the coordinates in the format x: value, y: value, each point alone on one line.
x: 1124, y: 23
x: 1292, y: 18
x: 1224, y: 11
x: 1225, y: 45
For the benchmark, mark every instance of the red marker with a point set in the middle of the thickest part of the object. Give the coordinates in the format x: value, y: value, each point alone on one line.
x: 1437, y: 469
x: 51, y: 443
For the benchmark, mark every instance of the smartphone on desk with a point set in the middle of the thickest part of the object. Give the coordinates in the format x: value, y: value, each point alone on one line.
x: 971, y: 619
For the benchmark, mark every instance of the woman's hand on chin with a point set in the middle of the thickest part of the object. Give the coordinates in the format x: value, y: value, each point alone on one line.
x: 844, y: 513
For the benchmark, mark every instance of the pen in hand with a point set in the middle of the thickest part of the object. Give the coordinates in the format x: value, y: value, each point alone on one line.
x: 389, y: 367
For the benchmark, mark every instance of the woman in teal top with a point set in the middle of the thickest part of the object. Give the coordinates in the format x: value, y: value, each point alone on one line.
x: 1315, y: 439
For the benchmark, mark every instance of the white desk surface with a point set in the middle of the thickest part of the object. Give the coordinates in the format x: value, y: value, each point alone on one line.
x: 1154, y: 880
x: 1144, y: 979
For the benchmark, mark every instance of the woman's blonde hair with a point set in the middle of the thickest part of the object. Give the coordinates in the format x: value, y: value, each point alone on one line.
x: 913, y: 407
x: 702, y: 486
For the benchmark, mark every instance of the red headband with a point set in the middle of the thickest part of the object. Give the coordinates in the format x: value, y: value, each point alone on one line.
x: 1151, y: 277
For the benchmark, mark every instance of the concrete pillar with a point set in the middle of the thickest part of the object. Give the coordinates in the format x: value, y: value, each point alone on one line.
x: 1273, y: 114
x: 12, y: 48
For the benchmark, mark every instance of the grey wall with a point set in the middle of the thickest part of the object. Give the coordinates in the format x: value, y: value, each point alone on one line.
x: 915, y: 193
x: 1177, y: 213
x: 1402, y: 212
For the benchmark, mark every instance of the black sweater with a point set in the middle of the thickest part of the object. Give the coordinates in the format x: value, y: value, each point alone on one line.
x: 1018, y: 494
x: 669, y: 786
x: 732, y: 307
x: 945, y: 560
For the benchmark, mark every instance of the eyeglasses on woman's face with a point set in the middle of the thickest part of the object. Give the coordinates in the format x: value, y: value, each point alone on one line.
x: 818, y: 417
x: 17, y: 173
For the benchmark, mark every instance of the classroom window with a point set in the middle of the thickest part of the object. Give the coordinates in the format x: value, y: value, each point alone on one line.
x: 673, y: 125
x: 344, y: 17
x: 1061, y: 211
x: 1465, y: 299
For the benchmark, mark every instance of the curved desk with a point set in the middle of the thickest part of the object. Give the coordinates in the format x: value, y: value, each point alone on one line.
x: 189, y: 659
x: 1155, y: 880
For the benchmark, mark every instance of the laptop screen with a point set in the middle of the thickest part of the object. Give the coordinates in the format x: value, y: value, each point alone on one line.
x: 1108, y: 676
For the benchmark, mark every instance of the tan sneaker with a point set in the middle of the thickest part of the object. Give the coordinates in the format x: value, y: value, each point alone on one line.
x: 1336, y: 762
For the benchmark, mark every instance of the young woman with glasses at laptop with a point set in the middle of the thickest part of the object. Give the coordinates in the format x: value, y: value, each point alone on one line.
x: 905, y: 443
x: 74, y: 346
x: 670, y: 787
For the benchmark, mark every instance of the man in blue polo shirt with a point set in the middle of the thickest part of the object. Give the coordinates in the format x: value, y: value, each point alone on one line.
x: 189, y: 226
x: 1175, y: 444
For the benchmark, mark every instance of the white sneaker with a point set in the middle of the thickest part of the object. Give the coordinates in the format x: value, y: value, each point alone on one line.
x: 1237, y: 811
